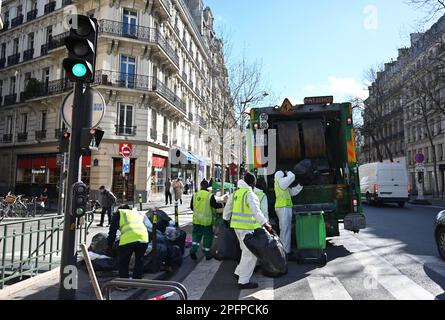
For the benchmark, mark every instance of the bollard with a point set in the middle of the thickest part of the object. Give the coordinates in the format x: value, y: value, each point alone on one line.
x: 176, y: 214
x: 140, y: 202
x: 154, y: 243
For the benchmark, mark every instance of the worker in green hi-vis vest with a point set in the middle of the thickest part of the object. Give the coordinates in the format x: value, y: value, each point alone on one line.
x: 205, y: 207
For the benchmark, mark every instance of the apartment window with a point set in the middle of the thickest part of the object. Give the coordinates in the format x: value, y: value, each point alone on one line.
x: 3, y: 51
x: 43, y: 117
x: 154, y: 122
x: 15, y: 47
x: 165, y: 129
x: 34, y: 5
x: 1, y: 90
x: 440, y: 152
x: 49, y: 34
x: 24, y: 122
x: 125, y: 120
x: 12, y: 82
x: 6, y: 17
x: 45, y: 78
x: 9, y: 124
x: 31, y: 40
x: 129, y: 22
x: 128, y: 70
x: 19, y: 10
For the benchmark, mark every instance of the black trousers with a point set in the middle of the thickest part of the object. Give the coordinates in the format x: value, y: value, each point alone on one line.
x: 125, y: 253
x: 105, y: 211
x: 168, y: 196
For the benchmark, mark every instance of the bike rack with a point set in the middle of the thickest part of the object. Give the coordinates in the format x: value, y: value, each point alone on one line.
x: 145, y: 284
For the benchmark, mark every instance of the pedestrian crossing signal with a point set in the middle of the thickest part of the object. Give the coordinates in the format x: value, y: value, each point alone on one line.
x: 90, y: 140
x: 64, y: 143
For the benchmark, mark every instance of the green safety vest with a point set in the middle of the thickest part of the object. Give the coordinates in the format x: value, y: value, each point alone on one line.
x: 242, y: 217
x: 202, y: 211
x: 132, y: 228
x: 283, y: 198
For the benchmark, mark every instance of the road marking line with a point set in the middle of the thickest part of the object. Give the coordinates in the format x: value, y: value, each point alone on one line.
x: 264, y: 292
x: 396, y: 283
x: 199, y: 279
x: 327, y: 288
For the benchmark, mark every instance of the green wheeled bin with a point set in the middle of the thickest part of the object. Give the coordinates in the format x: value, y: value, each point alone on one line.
x: 311, y: 237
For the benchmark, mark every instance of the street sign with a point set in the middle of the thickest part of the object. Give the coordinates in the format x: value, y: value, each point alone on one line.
x: 125, y: 165
x: 420, y: 158
x: 125, y: 150
x: 420, y: 168
x: 99, y: 108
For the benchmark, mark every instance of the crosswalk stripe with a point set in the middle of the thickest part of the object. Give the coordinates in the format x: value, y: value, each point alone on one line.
x: 327, y: 288
x: 380, y: 270
x: 265, y: 290
x: 200, y: 278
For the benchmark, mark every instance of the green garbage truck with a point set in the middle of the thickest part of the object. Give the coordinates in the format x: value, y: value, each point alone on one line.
x: 316, y: 142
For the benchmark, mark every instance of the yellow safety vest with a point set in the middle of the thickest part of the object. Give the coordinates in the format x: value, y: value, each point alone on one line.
x: 202, y: 210
x: 283, y: 198
x: 242, y: 217
x: 132, y: 228
x: 260, y: 195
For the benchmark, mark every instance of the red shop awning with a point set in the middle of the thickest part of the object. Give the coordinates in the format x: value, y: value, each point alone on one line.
x: 39, y: 163
x: 25, y: 163
x: 51, y: 163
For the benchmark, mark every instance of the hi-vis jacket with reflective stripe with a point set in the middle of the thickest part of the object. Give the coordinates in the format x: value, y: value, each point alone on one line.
x: 132, y: 228
x: 283, y: 197
x: 242, y: 217
x: 202, y: 210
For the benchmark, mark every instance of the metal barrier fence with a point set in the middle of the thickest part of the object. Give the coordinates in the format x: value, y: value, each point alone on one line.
x: 29, y: 247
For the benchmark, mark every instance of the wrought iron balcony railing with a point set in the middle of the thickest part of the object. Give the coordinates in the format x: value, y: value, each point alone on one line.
x: 10, y: 99
x: 7, y: 138
x: 165, y: 139
x: 5, y: 25
x: 54, y: 43
x: 126, y: 30
x: 125, y: 130
x: 22, y: 136
x: 40, y: 135
x: 17, y: 21
x: 50, y: 7
x: 2, y: 63
x: 13, y: 59
x: 28, y: 54
x: 31, y: 15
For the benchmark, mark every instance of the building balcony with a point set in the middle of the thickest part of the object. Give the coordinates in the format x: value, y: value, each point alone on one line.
x: 13, y: 59
x: 28, y: 54
x: 17, y: 21
x: 163, y: 49
x: 140, y: 83
x: 153, y: 134
x: 22, y: 136
x: 31, y: 15
x: 7, y: 138
x: 66, y: 2
x: 47, y: 89
x: 58, y: 133
x: 55, y: 42
x: 2, y: 63
x: 125, y: 131
x: 163, y: 8
x: 50, y: 7
x: 165, y: 139
x: 5, y: 25
x: 10, y: 99
x: 40, y: 135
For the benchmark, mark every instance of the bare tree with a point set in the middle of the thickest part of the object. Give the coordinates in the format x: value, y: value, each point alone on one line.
x: 239, y: 85
x: 432, y: 7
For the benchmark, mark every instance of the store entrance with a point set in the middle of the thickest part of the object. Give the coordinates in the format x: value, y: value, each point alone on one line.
x: 121, y: 184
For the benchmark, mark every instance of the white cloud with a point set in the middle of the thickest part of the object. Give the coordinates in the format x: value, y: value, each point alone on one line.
x: 341, y: 88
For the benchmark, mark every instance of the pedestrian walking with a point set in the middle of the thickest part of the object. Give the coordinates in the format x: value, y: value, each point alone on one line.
x: 204, y: 206
x: 243, y: 213
x: 168, y: 193
x: 43, y: 198
x: 178, y: 189
x: 107, y: 201
x: 283, y: 205
x: 133, y: 240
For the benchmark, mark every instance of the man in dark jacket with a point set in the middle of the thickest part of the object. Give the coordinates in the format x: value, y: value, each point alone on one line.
x: 107, y: 200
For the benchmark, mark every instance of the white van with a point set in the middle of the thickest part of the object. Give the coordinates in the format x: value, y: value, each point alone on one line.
x: 384, y: 183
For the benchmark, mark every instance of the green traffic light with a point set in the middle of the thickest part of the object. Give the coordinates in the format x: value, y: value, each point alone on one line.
x: 79, y: 70
x: 79, y: 211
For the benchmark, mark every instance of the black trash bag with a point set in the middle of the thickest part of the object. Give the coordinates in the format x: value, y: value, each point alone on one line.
x: 180, y: 241
x: 225, y: 245
x: 99, y: 245
x: 163, y: 219
x: 174, y: 257
x: 305, y: 173
x: 269, y: 249
x: 105, y: 264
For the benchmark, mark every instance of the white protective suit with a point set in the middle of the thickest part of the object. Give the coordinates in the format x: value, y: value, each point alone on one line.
x: 285, y: 214
x: 248, y: 261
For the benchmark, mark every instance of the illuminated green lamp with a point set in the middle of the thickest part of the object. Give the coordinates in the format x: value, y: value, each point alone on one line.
x: 79, y: 70
x: 79, y: 212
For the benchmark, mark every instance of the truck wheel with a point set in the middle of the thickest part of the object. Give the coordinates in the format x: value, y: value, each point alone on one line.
x: 402, y: 205
x: 440, y: 239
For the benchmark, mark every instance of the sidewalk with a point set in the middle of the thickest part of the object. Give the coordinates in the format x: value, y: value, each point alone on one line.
x: 46, y: 285
x: 435, y: 202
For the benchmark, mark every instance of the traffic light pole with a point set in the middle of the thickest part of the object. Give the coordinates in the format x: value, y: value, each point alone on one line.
x: 81, y: 118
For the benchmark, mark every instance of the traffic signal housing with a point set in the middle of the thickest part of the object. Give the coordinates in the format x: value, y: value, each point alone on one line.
x: 64, y: 143
x: 90, y: 140
x: 80, y: 199
x: 82, y: 45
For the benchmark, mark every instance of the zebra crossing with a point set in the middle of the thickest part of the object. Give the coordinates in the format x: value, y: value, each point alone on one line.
x: 355, y: 272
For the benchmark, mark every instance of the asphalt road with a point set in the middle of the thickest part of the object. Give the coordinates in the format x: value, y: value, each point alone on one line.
x: 395, y: 258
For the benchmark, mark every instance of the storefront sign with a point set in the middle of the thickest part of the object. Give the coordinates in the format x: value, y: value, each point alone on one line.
x: 38, y: 171
x: 159, y: 162
x: 125, y: 165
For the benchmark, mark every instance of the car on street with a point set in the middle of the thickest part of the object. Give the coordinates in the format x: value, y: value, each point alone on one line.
x: 440, y: 233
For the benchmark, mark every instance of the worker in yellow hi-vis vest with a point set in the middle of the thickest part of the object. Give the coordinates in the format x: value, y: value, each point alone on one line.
x: 244, y: 213
x: 204, y: 206
x: 284, y: 205
x: 133, y: 239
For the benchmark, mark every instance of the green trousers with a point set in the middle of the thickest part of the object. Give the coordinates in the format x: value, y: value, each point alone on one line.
x: 202, y: 233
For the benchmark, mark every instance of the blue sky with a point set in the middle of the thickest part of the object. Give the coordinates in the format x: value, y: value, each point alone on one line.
x: 316, y: 47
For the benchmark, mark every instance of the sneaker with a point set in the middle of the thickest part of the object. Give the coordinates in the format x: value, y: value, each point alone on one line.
x: 248, y: 286
x: 193, y: 256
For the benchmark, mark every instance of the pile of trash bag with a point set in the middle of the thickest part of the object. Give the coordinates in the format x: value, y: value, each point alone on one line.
x: 269, y: 250
x: 225, y: 245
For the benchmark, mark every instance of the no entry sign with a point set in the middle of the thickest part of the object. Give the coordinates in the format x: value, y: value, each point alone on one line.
x: 420, y: 158
x: 125, y: 150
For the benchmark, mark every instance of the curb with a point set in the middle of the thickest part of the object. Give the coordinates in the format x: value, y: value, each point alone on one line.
x: 421, y: 202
